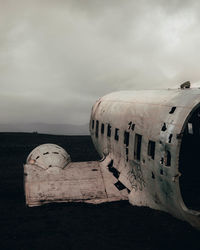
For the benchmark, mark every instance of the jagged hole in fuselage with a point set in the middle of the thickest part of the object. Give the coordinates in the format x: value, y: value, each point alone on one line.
x: 189, y: 162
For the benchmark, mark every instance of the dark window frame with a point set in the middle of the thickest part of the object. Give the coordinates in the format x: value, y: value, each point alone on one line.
x: 109, y: 130
x: 126, y: 138
x: 137, y: 147
x: 167, y: 158
x: 151, y: 149
x: 93, y: 124
x: 102, y: 128
x: 116, y: 134
x: 97, y: 128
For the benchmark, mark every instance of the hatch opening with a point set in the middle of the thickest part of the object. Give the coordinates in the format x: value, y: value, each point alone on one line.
x: 189, y: 162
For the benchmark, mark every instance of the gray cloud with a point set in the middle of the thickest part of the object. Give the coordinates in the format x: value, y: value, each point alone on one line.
x: 57, y: 57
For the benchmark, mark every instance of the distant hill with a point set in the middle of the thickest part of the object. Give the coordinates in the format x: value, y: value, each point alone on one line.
x: 45, y: 128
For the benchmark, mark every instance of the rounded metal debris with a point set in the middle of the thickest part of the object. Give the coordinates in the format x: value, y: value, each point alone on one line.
x: 49, y: 155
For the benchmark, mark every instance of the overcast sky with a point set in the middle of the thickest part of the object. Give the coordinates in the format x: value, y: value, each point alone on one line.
x: 58, y: 56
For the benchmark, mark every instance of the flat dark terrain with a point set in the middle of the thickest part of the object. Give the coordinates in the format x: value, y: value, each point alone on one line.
x: 116, y: 225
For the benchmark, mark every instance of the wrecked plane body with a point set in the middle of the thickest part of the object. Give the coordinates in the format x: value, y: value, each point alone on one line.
x: 148, y: 141
x: 50, y: 176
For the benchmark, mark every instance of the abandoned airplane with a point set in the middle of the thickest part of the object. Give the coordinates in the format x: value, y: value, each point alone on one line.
x: 149, y: 143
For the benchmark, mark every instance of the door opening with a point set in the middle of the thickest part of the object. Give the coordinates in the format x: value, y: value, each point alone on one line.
x: 189, y: 162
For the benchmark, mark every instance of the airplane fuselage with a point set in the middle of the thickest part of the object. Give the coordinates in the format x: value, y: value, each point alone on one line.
x: 143, y: 134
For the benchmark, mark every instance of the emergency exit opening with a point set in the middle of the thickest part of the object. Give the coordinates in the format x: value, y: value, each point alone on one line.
x: 189, y: 162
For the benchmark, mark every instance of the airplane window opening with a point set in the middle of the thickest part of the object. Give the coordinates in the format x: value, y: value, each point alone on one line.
x: 126, y: 138
x: 170, y: 138
x: 46, y: 153
x: 190, y: 128
x: 102, y: 128
x: 97, y: 128
x: 164, y: 127
x: 92, y: 124
x: 137, y: 146
x: 189, y: 162
x: 126, y: 154
x: 109, y: 130
x: 151, y: 149
x: 167, y: 159
x: 117, y: 134
x: 172, y: 110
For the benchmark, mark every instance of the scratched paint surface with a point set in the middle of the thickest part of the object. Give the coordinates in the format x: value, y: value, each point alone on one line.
x: 159, y: 116
x: 131, y: 120
x: 77, y: 182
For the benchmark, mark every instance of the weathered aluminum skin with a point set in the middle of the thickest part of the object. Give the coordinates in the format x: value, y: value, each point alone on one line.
x: 53, y: 178
x: 149, y: 111
x: 49, y: 155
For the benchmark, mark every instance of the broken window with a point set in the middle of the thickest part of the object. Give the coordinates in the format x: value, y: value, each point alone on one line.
x: 102, y: 128
x: 151, y: 149
x: 117, y: 134
x: 137, y: 146
x: 92, y: 124
x: 126, y: 142
x: 109, y: 130
x: 97, y: 128
x: 167, y: 158
x: 126, y: 138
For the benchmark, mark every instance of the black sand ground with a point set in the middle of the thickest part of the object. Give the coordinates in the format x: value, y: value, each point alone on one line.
x: 81, y: 226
